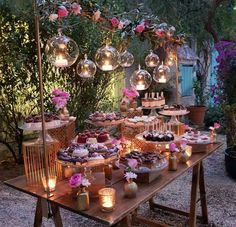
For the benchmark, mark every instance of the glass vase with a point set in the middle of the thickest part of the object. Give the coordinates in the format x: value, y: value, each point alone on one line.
x: 83, y: 199
x: 130, y: 189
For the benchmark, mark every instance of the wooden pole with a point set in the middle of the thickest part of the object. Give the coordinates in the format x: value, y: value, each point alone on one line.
x: 177, y: 75
x: 39, y: 63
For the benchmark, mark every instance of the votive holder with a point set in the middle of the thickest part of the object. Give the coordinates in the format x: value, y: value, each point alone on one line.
x: 51, y: 185
x: 107, y: 199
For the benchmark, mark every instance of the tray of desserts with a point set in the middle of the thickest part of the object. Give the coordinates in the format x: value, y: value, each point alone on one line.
x: 88, y: 155
x: 174, y: 110
x: 150, y: 165
x: 105, y: 119
x: 34, y: 122
x: 157, y: 137
x: 92, y: 136
x: 141, y: 121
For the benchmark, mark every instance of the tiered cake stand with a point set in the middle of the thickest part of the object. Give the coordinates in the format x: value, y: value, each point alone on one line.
x: 153, y: 110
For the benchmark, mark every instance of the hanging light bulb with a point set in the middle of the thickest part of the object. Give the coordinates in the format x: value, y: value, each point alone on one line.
x: 152, y: 60
x: 161, y: 74
x: 140, y: 79
x: 62, y: 51
x: 86, y: 68
x: 107, y: 58
x: 126, y: 59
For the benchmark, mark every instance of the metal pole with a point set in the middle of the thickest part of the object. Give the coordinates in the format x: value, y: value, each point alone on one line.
x: 177, y: 75
x: 39, y: 62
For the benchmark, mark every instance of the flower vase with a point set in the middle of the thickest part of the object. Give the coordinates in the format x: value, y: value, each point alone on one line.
x: 172, y: 162
x: 130, y: 189
x: 213, y: 136
x: 74, y: 192
x: 133, y: 104
x: 83, y: 199
x: 184, y: 157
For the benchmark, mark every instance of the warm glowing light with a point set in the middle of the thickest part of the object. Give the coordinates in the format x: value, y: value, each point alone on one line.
x: 107, y: 66
x: 162, y: 79
x: 51, y: 185
x: 107, y: 199
x: 61, y: 61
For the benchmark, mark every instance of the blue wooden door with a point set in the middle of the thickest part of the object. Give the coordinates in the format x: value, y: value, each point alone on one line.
x: 186, y: 79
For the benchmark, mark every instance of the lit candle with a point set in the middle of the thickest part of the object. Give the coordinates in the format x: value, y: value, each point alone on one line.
x: 107, y: 199
x: 51, y: 183
x: 106, y: 66
x: 61, y: 62
x: 162, y: 80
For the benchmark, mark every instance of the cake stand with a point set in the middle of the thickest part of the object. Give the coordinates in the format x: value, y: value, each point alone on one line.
x: 39, y: 129
x: 105, y: 123
x: 173, y: 116
x: 153, y: 110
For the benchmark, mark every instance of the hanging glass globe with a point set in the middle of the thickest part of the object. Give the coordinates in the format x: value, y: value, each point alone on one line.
x: 152, y: 60
x: 161, y: 74
x: 126, y: 59
x: 62, y: 51
x: 86, y: 68
x: 107, y: 58
x: 140, y: 79
x: 169, y: 62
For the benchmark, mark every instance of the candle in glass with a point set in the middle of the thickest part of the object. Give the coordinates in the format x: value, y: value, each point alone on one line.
x: 107, y: 199
x: 61, y: 62
x: 106, y: 66
x: 162, y: 79
x: 51, y: 183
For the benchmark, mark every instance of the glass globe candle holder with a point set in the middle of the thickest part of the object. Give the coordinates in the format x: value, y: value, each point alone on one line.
x: 152, y: 60
x: 62, y: 51
x: 161, y: 74
x: 86, y: 68
x: 126, y: 59
x: 107, y: 58
x: 140, y: 79
x: 169, y: 62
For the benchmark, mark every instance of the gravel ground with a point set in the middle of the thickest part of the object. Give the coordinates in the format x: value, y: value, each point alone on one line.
x: 17, y: 209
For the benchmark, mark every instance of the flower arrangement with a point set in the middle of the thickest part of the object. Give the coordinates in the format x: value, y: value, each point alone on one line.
x: 215, y: 126
x: 129, y: 176
x: 132, y: 164
x: 77, y: 180
x: 60, y: 98
x: 129, y: 94
x: 183, y: 144
x: 173, y: 148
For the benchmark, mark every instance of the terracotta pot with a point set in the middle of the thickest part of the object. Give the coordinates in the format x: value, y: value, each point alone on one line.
x: 130, y: 189
x: 230, y: 161
x: 197, y: 114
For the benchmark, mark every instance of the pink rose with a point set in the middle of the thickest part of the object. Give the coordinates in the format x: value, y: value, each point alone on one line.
x: 114, y: 22
x: 216, y: 125
x: 172, y: 147
x: 132, y: 163
x: 76, y: 8
x: 75, y: 180
x: 120, y: 25
x: 62, y: 11
x: 140, y: 28
x: 97, y: 15
x: 53, y: 17
x: 160, y: 32
x: 57, y: 91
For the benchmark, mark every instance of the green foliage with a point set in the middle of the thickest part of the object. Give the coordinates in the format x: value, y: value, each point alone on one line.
x: 200, y: 96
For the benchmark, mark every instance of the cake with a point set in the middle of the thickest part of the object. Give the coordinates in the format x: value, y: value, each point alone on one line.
x: 153, y: 100
x: 84, y: 154
x: 156, y: 136
x: 196, y: 137
x: 175, y: 109
x: 35, y: 120
x: 93, y: 136
x: 101, y: 116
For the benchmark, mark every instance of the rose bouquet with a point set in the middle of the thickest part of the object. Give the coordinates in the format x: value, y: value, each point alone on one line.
x: 60, y: 98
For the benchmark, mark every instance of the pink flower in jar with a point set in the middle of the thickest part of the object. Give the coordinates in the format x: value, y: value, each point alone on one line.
x: 140, y: 28
x: 132, y: 163
x: 114, y: 22
x: 76, y: 8
x: 75, y: 180
x: 172, y: 147
x: 62, y: 11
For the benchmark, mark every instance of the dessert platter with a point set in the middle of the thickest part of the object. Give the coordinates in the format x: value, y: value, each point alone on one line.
x: 105, y: 119
x: 88, y: 155
x: 149, y: 165
x: 93, y: 136
x: 157, y: 136
x: 174, y: 110
x: 141, y: 121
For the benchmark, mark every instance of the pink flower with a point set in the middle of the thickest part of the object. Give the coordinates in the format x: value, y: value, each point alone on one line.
x: 216, y: 125
x: 53, y: 17
x: 130, y: 175
x: 183, y: 143
x: 172, y: 147
x: 132, y: 163
x: 114, y: 22
x: 85, y: 182
x: 120, y: 25
x: 140, y: 28
x: 160, y: 32
x: 56, y: 92
x: 76, y: 8
x: 62, y: 11
x: 97, y: 15
x: 75, y: 180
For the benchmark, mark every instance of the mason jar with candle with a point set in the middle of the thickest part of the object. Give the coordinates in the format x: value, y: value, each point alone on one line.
x: 107, y: 199
x: 51, y: 184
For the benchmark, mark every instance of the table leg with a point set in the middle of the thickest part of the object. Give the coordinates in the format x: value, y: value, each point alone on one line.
x: 203, y: 196
x: 194, y: 191
x: 125, y: 222
x: 56, y: 215
x: 38, y: 214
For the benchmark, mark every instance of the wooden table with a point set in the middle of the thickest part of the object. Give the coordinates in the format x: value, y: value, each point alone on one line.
x: 125, y: 209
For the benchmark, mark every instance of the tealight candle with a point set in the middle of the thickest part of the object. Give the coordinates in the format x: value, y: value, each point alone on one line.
x: 162, y: 80
x: 107, y: 199
x: 51, y: 185
x: 106, y: 66
x: 61, y: 62
x: 140, y: 87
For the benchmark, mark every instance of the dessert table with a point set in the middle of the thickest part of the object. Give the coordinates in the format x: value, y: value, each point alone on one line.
x: 125, y: 209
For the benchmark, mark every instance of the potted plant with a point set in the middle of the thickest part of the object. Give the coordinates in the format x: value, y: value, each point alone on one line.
x: 197, y: 112
x: 226, y: 83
